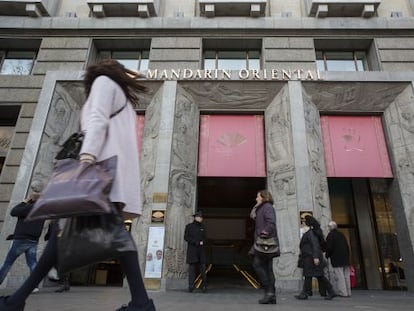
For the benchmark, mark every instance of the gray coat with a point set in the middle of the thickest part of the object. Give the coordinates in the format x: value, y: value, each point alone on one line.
x: 106, y: 137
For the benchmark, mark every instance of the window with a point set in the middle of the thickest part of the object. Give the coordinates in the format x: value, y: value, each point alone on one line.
x: 16, y: 62
x: 134, y: 60
x: 341, y: 61
x: 232, y: 60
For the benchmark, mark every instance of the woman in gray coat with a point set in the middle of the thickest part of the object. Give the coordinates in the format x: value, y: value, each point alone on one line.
x: 108, y: 122
x: 265, y: 226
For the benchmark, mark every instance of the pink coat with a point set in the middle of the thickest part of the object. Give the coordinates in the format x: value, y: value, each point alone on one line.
x: 106, y: 137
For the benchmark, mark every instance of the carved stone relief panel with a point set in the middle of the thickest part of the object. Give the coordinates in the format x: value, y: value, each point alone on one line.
x: 399, y: 122
x: 356, y: 96
x: 148, y: 157
x: 319, y: 183
x: 62, y: 121
x: 232, y: 95
x: 182, y: 184
x: 281, y: 182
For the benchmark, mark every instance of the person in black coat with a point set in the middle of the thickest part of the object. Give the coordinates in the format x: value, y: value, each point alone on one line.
x: 337, y: 251
x: 311, y: 259
x: 195, y: 235
x: 25, y: 237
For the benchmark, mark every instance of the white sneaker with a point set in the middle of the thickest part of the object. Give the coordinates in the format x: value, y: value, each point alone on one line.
x: 35, y: 290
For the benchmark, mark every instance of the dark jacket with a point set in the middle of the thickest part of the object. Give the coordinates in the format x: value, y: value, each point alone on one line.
x: 26, y: 230
x: 265, y: 224
x: 310, y: 248
x: 337, y: 249
x: 194, y: 233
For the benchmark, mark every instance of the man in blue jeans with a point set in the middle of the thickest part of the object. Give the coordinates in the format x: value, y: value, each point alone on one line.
x: 25, y: 237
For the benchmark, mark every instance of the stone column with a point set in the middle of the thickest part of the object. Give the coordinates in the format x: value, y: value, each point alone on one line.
x: 399, y: 126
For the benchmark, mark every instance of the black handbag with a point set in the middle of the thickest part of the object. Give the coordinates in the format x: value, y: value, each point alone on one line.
x: 90, y: 239
x: 76, y: 189
x: 267, y: 245
x: 70, y: 149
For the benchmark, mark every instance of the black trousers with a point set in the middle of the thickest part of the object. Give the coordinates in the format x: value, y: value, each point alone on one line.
x: 193, y: 270
x: 322, y: 281
x: 263, y: 266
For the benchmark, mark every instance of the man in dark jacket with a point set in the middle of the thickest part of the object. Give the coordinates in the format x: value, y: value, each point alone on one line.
x: 195, y: 235
x: 25, y: 237
x: 337, y: 251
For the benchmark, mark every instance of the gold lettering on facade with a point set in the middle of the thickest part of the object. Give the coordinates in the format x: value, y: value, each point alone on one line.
x: 164, y: 75
x: 299, y: 73
x: 175, y: 73
x: 286, y: 75
x: 198, y: 74
x: 243, y: 74
x: 256, y: 74
x: 188, y: 74
x: 152, y: 74
x: 226, y: 73
x: 159, y: 197
x: 309, y: 75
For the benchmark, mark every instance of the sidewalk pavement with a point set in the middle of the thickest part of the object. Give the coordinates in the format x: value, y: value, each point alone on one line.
x: 111, y: 298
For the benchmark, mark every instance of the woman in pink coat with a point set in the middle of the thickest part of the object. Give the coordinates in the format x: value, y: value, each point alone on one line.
x: 108, y: 122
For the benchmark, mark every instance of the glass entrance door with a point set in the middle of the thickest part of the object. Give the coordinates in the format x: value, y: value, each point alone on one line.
x: 364, y: 214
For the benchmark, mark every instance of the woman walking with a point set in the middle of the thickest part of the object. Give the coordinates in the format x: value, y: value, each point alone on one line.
x: 265, y: 227
x: 108, y: 122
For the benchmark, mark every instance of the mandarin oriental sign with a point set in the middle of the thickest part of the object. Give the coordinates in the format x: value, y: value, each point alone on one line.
x: 242, y: 74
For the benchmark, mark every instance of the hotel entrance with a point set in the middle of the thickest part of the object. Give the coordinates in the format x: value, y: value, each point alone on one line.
x: 231, y: 169
x: 364, y: 214
x: 226, y: 203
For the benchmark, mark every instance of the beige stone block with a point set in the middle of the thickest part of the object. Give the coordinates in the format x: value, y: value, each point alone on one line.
x: 174, y: 42
x: 174, y: 65
x: 27, y: 110
x: 5, y: 191
x: 14, y: 157
x: 21, y: 82
x: 173, y: 55
x: 19, y: 140
x: 289, y: 55
x: 42, y: 67
x: 9, y: 174
x: 19, y: 95
x: 24, y: 124
x: 48, y: 55
x: 65, y: 43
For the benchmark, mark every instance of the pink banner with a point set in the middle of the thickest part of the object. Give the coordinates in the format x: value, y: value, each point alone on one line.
x: 231, y: 146
x: 140, y: 121
x: 355, y: 147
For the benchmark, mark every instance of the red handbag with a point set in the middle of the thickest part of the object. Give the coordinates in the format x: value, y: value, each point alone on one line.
x: 76, y: 189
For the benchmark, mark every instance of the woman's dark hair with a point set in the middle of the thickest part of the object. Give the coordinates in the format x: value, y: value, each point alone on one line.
x: 266, y: 195
x: 124, y: 77
x: 315, y: 226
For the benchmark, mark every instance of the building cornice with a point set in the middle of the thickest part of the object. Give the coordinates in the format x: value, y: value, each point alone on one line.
x: 199, y: 23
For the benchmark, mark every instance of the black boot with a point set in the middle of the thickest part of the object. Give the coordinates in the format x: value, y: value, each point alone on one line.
x: 301, y: 296
x: 269, y: 296
x: 65, y: 286
x: 148, y: 307
x: 7, y: 307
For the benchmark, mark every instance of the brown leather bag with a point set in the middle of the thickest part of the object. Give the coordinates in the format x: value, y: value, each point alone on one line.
x: 76, y: 189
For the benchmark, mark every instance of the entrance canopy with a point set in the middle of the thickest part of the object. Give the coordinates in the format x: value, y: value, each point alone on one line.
x: 355, y: 147
x: 231, y: 146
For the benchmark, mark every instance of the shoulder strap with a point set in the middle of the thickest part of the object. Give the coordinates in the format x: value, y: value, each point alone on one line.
x: 119, y: 110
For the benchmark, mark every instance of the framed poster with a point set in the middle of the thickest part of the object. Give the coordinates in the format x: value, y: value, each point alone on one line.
x: 155, y: 253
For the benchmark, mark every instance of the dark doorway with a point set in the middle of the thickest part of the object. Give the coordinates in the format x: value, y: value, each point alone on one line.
x: 226, y: 203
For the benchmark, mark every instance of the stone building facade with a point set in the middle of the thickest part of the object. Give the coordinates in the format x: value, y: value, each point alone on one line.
x: 40, y: 108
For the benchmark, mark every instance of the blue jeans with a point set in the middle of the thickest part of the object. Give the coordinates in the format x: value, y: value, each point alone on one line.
x: 17, y: 248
